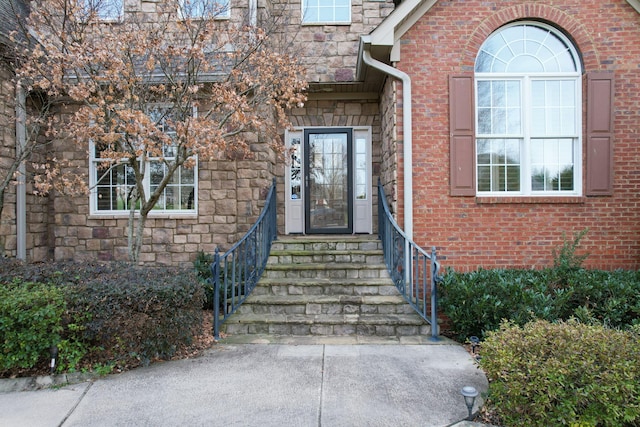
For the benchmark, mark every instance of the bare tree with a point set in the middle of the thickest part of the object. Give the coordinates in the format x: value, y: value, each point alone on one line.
x: 157, y: 90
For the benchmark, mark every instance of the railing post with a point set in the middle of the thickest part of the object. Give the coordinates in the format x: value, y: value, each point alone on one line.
x: 274, y: 215
x: 215, y: 271
x: 434, y: 295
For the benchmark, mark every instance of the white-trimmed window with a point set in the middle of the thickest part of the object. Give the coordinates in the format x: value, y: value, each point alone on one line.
x: 326, y: 11
x: 112, y: 188
x: 106, y: 10
x: 528, y: 113
x: 198, y: 9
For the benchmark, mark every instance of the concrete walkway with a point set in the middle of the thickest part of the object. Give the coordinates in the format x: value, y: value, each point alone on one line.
x: 328, y: 385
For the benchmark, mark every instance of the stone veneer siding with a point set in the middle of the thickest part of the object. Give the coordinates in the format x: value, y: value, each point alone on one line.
x: 472, y: 232
x: 231, y: 194
x: 329, y: 52
x: 345, y: 114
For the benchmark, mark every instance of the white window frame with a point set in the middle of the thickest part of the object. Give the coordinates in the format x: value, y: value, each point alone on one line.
x: 526, y: 135
x: 186, y: 9
x: 95, y: 172
x: 314, y: 19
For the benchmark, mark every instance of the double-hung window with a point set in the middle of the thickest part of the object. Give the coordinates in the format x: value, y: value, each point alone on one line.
x: 112, y: 187
x: 198, y: 9
x: 326, y: 11
x: 528, y: 113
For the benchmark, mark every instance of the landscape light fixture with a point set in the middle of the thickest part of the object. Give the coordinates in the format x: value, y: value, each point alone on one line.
x: 469, y: 393
x: 475, y: 341
x: 54, y: 356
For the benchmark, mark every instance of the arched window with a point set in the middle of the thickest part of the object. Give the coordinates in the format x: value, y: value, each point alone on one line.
x: 528, y: 113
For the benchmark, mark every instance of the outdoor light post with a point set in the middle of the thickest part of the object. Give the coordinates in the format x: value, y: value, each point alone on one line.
x: 475, y: 341
x: 469, y: 393
x: 54, y: 356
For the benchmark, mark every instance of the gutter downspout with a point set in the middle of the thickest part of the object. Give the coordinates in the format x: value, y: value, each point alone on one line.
x: 21, y: 191
x: 407, y: 144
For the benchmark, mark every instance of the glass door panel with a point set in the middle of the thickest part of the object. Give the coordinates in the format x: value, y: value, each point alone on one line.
x: 328, y: 182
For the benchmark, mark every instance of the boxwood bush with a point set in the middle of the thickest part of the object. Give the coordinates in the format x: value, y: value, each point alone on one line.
x: 567, y: 373
x: 114, y: 313
x: 477, y: 302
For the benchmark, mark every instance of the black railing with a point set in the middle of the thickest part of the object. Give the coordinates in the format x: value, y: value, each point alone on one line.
x: 414, y: 271
x: 237, y: 271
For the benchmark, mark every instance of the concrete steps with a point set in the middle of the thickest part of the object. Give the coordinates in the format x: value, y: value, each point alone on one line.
x: 326, y: 286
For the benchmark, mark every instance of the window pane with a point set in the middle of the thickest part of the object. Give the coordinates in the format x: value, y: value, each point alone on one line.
x: 484, y: 94
x: 498, y: 164
x: 170, y: 198
x: 187, y: 197
x: 484, y: 178
x: 484, y: 121
x: 187, y: 175
x: 484, y: 152
x: 156, y: 172
x: 552, y: 164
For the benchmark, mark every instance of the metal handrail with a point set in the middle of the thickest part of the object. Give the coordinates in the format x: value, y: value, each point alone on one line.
x: 414, y: 272
x: 236, y: 272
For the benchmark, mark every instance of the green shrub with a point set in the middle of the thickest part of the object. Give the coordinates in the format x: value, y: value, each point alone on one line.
x: 30, y: 323
x: 202, y: 265
x: 477, y: 302
x: 546, y: 374
x: 114, y: 313
x: 138, y: 313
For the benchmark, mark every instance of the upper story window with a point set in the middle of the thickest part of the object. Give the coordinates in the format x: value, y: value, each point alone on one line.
x: 106, y: 10
x: 112, y: 187
x: 326, y: 11
x: 198, y: 9
x: 528, y: 113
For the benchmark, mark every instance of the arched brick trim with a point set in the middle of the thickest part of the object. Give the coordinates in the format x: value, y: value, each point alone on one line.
x: 535, y: 11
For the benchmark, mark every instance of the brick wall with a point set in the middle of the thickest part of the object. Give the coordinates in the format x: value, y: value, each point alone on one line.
x: 470, y: 232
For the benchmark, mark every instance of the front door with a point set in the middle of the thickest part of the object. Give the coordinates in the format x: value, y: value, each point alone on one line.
x: 328, y: 179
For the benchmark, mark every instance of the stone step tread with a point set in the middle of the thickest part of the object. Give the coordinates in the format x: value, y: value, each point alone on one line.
x: 335, y: 339
x: 325, y: 281
x: 325, y: 266
x: 326, y: 238
x: 310, y: 252
x: 328, y: 319
x: 325, y: 299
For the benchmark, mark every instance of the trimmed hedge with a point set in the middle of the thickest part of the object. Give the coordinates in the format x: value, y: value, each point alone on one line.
x: 571, y: 374
x: 477, y: 302
x: 121, y: 315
